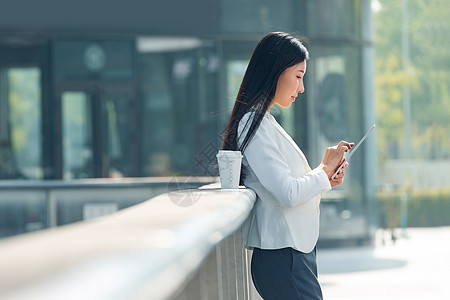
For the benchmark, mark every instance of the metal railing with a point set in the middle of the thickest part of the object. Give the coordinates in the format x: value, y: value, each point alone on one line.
x: 178, y: 245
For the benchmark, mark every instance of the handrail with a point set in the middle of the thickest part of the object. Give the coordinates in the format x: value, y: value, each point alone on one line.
x: 147, y: 251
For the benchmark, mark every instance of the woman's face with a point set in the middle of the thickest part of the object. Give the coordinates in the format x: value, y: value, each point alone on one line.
x: 289, y: 84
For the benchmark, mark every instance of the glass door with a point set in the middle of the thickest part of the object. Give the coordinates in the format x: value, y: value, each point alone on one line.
x: 118, y: 132
x: 20, y: 123
x: 77, y: 142
x: 98, y: 132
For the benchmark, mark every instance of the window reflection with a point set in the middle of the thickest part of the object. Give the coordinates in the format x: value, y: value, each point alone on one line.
x: 331, y: 111
x: 179, y: 84
x: 235, y: 72
x: 119, y: 135
x: 77, y: 138
x: 20, y: 123
x: 332, y: 20
x: 257, y: 16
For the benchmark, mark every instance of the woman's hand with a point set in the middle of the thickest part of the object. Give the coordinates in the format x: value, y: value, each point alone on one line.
x: 333, y: 158
x: 339, y: 178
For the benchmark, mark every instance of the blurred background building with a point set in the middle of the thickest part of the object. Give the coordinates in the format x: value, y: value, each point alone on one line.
x: 100, y: 89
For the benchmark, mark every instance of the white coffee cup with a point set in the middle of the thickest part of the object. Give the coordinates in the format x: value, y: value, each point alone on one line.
x: 229, y: 168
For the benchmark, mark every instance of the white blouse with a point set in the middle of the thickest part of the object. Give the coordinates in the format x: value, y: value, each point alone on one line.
x: 286, y: 212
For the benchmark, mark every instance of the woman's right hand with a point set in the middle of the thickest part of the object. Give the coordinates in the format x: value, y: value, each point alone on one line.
x: 333, y: 157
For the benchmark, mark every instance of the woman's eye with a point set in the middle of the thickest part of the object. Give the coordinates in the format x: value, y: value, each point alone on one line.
x: 299, y: 77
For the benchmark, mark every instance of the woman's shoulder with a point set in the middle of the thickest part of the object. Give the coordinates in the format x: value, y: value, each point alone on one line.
x: 246, y: 122
x: 249, y: 116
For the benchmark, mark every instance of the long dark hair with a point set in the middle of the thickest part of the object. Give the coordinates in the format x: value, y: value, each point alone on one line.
x: 275, y: 52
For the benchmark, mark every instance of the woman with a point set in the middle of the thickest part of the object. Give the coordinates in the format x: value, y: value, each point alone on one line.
x: 283, y: 226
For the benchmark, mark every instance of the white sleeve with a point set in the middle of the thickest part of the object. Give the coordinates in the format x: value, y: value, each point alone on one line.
x: 272, y: 170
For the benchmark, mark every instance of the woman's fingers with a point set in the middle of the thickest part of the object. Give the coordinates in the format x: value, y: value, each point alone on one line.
x: 333, y: 157
x: 341, y: 150
x: 344, y: 166
x: 344, y: 146
x: 337, y: 181
x: 342, y: 170
x: 339, y: 178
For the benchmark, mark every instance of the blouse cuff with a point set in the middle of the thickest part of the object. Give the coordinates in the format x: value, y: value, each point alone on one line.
x: 325, y: 184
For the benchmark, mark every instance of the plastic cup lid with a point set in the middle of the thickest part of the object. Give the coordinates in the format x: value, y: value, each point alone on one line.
x: 229, y: 153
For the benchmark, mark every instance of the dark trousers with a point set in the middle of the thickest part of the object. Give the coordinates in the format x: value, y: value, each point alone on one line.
x: 285, y: 274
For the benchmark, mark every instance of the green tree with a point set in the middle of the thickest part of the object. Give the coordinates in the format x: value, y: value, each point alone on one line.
x: 428, y: 78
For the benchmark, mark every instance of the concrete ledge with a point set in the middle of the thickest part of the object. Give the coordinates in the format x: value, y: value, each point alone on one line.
x: 150, y: 249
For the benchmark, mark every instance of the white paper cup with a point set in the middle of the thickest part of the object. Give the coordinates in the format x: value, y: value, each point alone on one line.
x: 229, y: 168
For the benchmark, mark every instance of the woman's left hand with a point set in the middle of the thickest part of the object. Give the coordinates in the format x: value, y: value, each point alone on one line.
x: 339, y: 178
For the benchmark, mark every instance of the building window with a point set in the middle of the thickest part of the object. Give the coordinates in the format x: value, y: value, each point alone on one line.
x: 20, y: 123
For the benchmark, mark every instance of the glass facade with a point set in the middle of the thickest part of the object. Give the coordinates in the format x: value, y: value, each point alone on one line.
x: 179, y: 79
x: 336, y: 99
x: 156, y: 104
x: 21, y: 95
x: 20, y: 133
x: 77, y: 136
x: 256, y: 16
x: 96, y: 107
x: 340, y: 20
